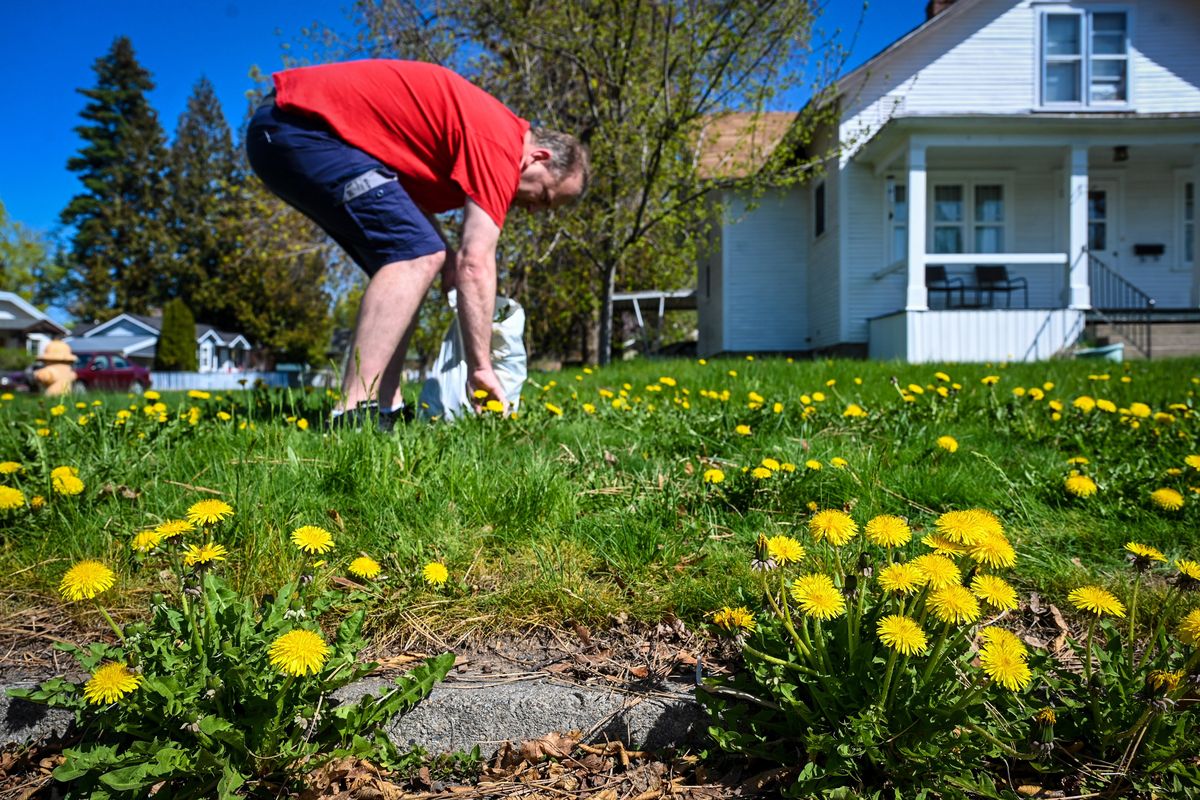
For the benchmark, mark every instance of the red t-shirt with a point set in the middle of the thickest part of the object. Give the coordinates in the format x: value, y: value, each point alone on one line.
x: 446, y: 138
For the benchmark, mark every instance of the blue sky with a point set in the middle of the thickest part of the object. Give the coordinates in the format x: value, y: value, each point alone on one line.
x: 47, y: 48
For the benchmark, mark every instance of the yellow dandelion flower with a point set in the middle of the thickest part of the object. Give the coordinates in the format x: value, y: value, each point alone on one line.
x: 1107, y: 406
x: 954, y: 604
x: 1096, y: 600
x: 204, y: 554
x: 937, y: 571
x: 110, y: 683
x: 209, y: 512
x: 812, y: 464
x: 990, y: 380
x: 152, y: 395
x: 837, y: 462
x: 302, y: 424
x: 968, y: 527
x: 1145, y: 552
x: 85, y: 580
x: 995, y: 551
x: 760, y: 473
x: 11, y: 498
x: 174, y: 527
x: 298, y: 652
x: 713, y: 475
x: 948, y: 443
x: 940, y: 544
x: 553, y: 409
x: 888, y: 530
x: 835, y: 527
x: 734, y: 620
x: 65, y: 481
x: 9, y: 467
x: 1167, y: 499
x: 742, y: 430
x: 1188, y: 569
x: 1189, y: 627
x: 854, y: 410
x: 36, y: 502
x: 312, y: 539
x: 1163, y: 680
x: 1005, y: 667
x: 993, y: 636
x: 817, y: 597
x: 785, y: 550
x: 364, y: 567
x: 1139, y: 410
x: 1079, y: 485
x: 994, y: 591
x: 901, y: 578
x: 145, y: 541
x: 493, y: 405
x: 771, y: 464
x: 902, y: 634
x: 435, y: 573
x: 1192, y: 461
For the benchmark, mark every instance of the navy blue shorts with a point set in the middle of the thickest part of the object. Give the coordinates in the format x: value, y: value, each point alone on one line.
x: 309, y: 167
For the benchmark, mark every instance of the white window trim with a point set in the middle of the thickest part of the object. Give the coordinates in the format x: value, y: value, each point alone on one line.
x: 890, y: 223
x: 1182, y: 178
x: 1085, y: 103
x: 969, y: 180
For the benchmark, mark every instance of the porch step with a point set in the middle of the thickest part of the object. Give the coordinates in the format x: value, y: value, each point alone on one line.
x: 1169, y: 339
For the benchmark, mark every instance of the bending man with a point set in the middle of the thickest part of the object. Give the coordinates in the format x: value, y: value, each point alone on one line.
x: 370, y: 150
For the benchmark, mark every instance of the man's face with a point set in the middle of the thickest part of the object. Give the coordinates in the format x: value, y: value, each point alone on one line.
x: 540, y: 190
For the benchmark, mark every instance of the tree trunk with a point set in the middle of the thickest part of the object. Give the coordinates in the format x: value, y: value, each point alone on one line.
x: 604, y: 354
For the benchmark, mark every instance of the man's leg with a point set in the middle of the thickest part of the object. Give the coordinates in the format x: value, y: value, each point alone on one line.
x: 385, y: 320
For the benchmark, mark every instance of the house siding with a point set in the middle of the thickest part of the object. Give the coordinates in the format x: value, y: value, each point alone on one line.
x: 824, y: 270
x: 940, y: 72
x: 1151, y: 215
x: 764, y: 274
x: 974, y: 336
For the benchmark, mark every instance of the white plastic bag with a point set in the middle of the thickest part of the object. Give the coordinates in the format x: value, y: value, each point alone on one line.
x: 444, y: 394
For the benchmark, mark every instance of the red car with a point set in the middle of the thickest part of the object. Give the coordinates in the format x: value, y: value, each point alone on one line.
x: 110, y: 372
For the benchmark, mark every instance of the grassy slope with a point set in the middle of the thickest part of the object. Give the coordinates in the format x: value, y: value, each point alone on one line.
x: 581, y: 516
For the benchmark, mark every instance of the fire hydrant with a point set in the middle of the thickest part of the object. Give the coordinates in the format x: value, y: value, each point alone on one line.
x: 56, y: 377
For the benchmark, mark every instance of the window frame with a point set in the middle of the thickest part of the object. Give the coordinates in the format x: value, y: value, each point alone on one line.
x: 1086, y: 13
x: 1184, y: 178
x: 820, y: 210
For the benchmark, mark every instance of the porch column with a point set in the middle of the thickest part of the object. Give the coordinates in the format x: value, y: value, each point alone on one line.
x: 918, y: 296
x: 1194, y: 178
x: 1079, y: 292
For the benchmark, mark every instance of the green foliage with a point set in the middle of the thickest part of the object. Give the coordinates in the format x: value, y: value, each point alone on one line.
x: 121, y: 250
x: 14, y: 358
x: 212, y: 713
x: 27, y: 267
x: 176, y: 350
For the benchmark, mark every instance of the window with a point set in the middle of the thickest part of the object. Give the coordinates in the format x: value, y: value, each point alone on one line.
x: 819, y: 210
x: 981, y: 229
x: 1189, y: 223
x: 898, y: 222
x: 120, y: 363
x: 206, y: 357
x: 1085, y: 58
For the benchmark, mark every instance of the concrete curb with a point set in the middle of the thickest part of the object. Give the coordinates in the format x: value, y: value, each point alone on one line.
x: 459, y: 715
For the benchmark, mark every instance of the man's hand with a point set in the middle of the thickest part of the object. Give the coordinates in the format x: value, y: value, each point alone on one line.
x: 485, y: 380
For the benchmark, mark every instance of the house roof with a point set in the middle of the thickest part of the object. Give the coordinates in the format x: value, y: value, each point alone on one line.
x: 736, y: 144
x: 33, y: 319
x: 125, y: 345
x: 153, y: 327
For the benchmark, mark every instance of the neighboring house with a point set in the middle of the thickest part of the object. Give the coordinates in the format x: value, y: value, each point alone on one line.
x: 1059, y: 141
x: 136, y: 337
x: 23, y: 327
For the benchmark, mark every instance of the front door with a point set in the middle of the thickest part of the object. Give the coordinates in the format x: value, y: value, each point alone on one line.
x: 1104, y: 237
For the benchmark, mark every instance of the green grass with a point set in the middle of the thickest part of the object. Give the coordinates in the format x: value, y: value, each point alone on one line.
x: 581, y: 516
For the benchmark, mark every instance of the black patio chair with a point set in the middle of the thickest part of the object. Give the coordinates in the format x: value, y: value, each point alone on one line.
x: 995, y: 280
x: 936, y: 280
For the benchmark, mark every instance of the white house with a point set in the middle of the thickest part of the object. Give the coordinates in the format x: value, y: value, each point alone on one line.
x: 136, y: 337
x: 23, y: 327
x: 1058, y: 140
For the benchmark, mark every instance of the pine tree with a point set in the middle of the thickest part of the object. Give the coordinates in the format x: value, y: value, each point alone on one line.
x: 204, y: 177
x: 121, y: 250
x: 176, y: 350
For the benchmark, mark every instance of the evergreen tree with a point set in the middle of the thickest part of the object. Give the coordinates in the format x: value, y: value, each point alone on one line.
x: 121, y: 251
x: 204, y: 178
x: 176, y: 349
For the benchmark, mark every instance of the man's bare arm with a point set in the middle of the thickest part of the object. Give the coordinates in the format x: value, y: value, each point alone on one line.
x: 476, y: 281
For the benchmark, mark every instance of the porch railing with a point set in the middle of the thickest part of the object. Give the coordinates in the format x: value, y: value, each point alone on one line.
x: 1124, y: 307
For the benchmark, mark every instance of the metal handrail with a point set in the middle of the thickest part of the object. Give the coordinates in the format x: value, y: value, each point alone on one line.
x: 1124, y: 307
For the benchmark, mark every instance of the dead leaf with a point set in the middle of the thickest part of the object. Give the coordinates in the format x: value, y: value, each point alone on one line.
x: 552, y: 745
x: 336, y: 518
x: 1060, y: 641
x: 121, y: 490
x: 583, y: 633
x: 1029, y: 790
x: 689, y: 469
x: 610, y: 459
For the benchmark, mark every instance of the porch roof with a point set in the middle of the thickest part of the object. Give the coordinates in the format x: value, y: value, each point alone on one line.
x: 1034, y: 129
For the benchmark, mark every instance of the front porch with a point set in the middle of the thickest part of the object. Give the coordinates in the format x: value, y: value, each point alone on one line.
x: 1083, y: 219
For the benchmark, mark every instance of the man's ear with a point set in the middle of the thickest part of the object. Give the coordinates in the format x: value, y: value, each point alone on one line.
x: 540, y: 154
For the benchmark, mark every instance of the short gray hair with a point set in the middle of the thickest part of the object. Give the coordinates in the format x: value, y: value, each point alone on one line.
x: 567, y: 155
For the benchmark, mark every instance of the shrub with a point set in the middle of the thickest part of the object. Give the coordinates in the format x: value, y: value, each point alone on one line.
x: 176, y: 350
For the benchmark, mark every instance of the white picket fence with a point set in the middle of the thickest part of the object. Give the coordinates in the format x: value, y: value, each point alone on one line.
x: 220, y: 381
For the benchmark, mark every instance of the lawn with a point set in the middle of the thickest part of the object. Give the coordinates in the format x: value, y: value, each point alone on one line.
x: 598, y: 497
